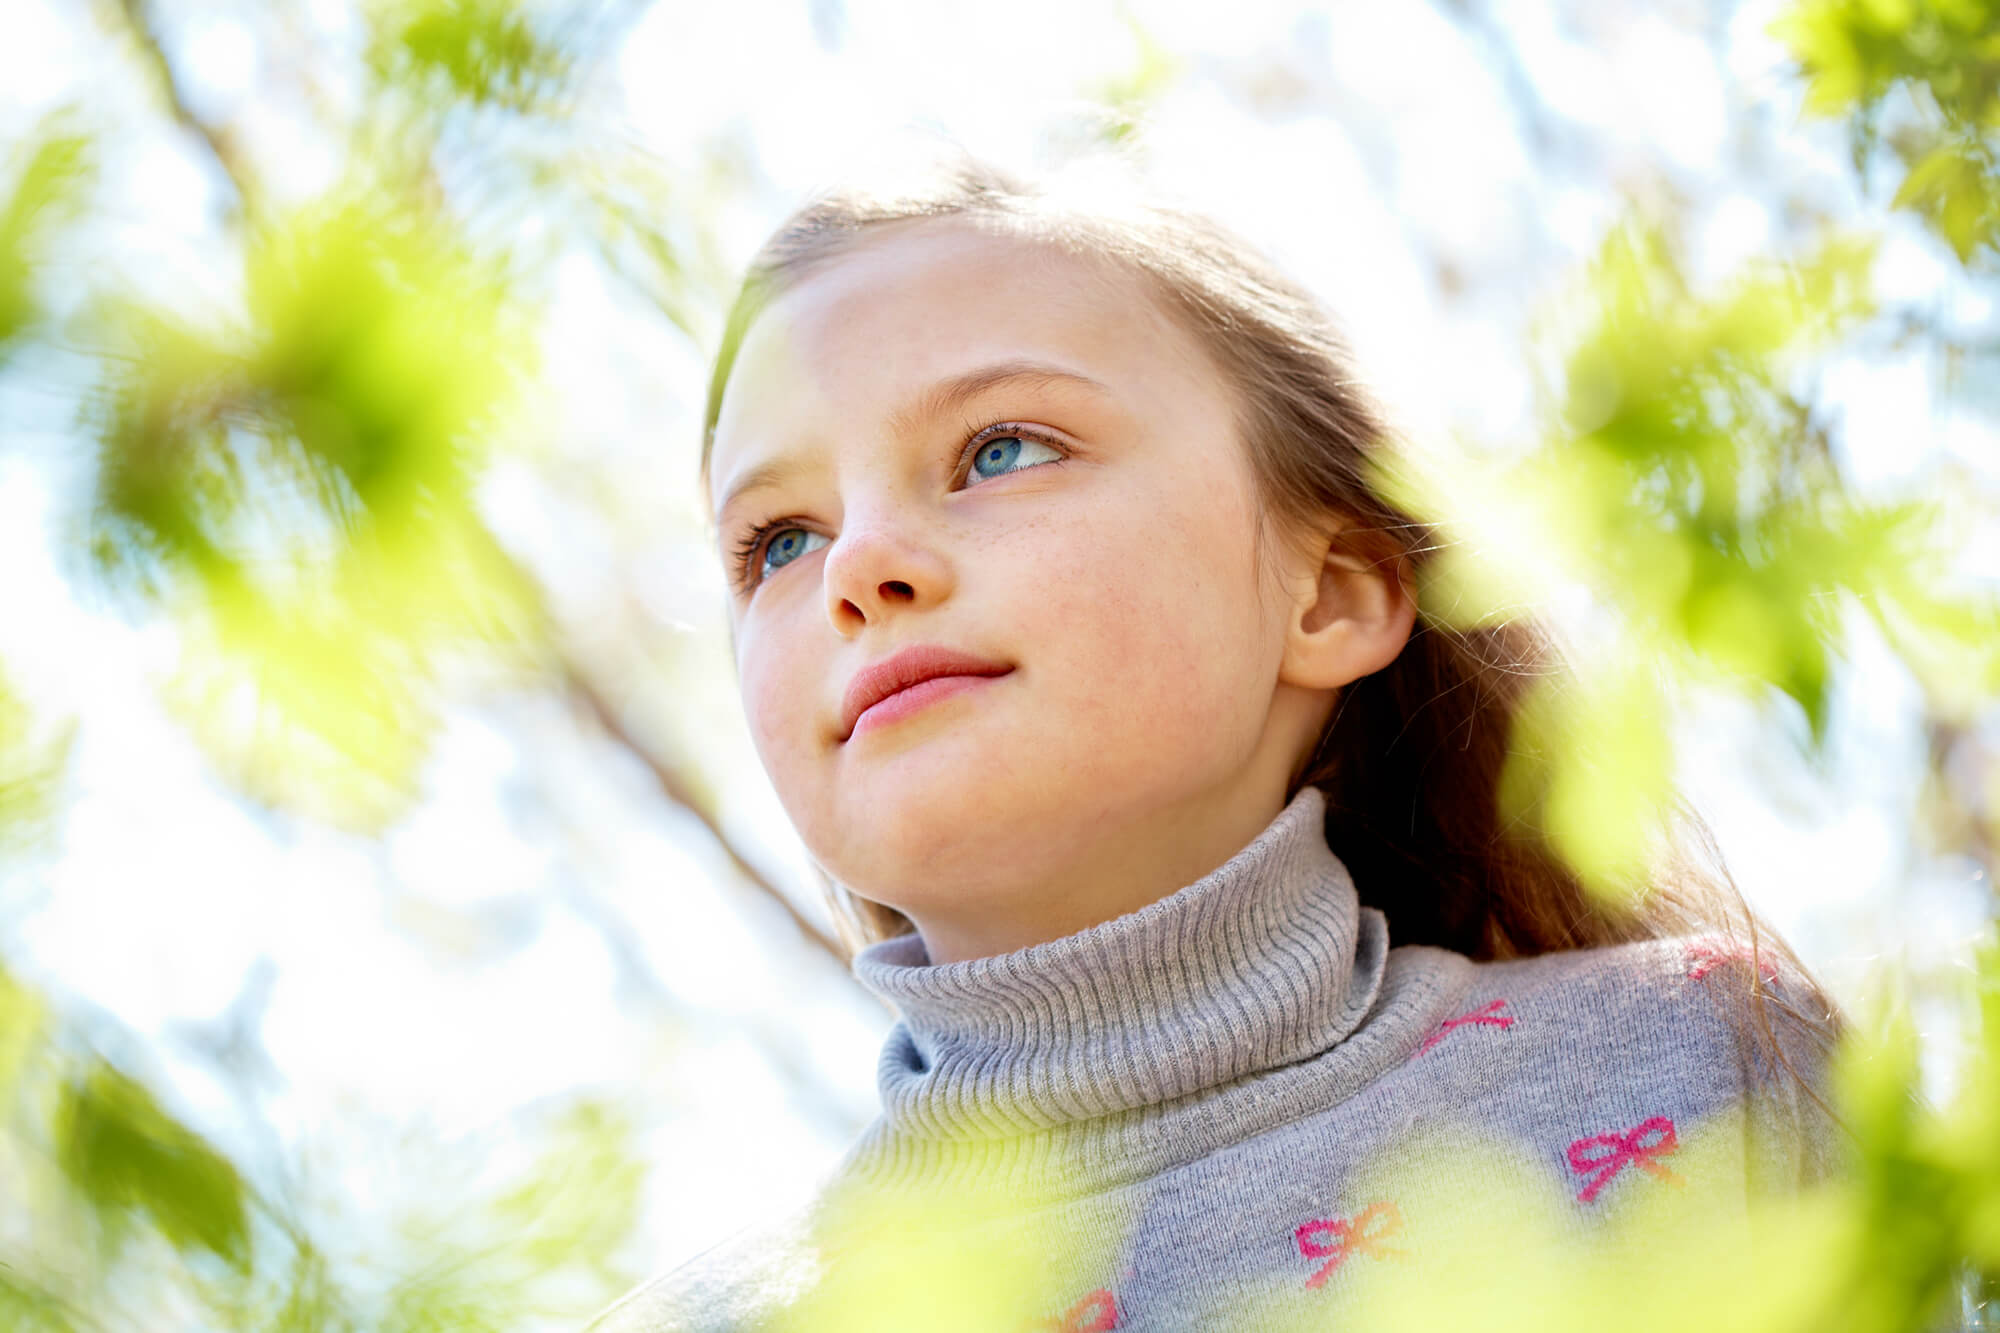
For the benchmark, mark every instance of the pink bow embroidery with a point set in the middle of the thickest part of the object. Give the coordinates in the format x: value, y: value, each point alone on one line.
x: 1483, y: 1014
x: 1711, y: 951
x: 1095, y: 1313
x: 1623, y: 1148
x: 1334, y: 1238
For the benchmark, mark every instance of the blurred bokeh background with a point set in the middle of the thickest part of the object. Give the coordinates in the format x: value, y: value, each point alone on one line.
x: 396, y: 929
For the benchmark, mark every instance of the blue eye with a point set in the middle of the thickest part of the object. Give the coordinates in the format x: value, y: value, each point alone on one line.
x: 788, y: 545
x: 999, y: 455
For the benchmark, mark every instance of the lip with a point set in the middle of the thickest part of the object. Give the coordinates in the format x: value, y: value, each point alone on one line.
x: 899, y: 671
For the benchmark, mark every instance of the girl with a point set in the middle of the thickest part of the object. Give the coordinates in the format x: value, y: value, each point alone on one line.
x: 1088, y: 662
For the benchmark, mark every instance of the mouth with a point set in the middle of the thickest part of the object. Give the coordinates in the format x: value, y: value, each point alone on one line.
x: 908, y: 681
x: 921, y: 695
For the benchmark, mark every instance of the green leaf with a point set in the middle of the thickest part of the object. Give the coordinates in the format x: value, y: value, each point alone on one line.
x: 53, y: 166
x: 480, y: 51
x: 124, y: 1152
x: 1848, y: 50
x: 1955, y: 189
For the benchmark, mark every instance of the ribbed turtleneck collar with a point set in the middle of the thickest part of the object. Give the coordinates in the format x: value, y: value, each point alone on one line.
x: 1060, y: 1053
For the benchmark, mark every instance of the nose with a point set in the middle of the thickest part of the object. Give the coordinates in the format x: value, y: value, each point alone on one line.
x: 877, y: 567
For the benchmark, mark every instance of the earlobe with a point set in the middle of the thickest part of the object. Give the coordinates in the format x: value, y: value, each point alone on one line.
x: 1350, y: 617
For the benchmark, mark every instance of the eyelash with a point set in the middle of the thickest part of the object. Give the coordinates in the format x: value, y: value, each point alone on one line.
x: 750, y: 547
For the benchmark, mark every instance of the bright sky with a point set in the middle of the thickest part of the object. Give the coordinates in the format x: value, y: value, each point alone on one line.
x: 464, y: 967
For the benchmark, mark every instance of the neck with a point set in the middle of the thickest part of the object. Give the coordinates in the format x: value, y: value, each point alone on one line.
x: 1119, y: 872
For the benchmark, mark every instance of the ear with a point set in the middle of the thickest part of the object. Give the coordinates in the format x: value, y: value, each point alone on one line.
x: 1351, y: 608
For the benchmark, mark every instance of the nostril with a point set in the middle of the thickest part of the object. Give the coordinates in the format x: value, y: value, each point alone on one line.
x: 898, y: 588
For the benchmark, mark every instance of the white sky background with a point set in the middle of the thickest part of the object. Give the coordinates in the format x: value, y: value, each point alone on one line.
x: 540, y: 923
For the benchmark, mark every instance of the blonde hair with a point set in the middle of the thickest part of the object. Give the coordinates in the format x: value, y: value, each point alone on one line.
x: 1412, y: 759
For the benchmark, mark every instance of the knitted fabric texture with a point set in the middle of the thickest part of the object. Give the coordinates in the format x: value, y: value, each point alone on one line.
x: 1216, y: 1111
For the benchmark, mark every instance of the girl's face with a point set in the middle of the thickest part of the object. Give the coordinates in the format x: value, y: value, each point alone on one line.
x: 953, y: 439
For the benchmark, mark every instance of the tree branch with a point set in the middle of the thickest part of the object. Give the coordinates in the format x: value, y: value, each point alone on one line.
x: 681, y: 792
x: 219, y: 140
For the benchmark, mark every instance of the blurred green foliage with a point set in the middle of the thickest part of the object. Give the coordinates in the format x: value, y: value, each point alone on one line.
x: 479, y: 52
x: 1683, y: 482
x: 1943, y: 57
x: 1927, y: 1191
x: 44, y: 189
x: 294, y: 479
x: 119, y: 1212
x: 903, y: 1258
x: 130, y: 1159
x: 303, y: 491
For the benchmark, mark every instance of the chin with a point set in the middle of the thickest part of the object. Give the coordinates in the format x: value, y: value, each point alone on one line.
x: 951, y: 841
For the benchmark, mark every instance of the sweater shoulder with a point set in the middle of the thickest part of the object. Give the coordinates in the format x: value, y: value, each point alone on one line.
x: 1666, y: 960
x: 1706, y: 1007
x: 1670, y: 971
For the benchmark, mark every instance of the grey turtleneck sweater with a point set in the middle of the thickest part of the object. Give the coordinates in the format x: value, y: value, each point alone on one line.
x: 1237, y: 1105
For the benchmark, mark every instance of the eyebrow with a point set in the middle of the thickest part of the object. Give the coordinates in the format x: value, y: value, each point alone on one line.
x: 946, y: 396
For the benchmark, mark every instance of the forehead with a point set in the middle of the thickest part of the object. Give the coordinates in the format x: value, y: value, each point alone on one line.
x: 866, y: 333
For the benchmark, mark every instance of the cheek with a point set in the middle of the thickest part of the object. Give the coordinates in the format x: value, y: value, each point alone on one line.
x: 1158, y: 616
x: 780, y: 703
